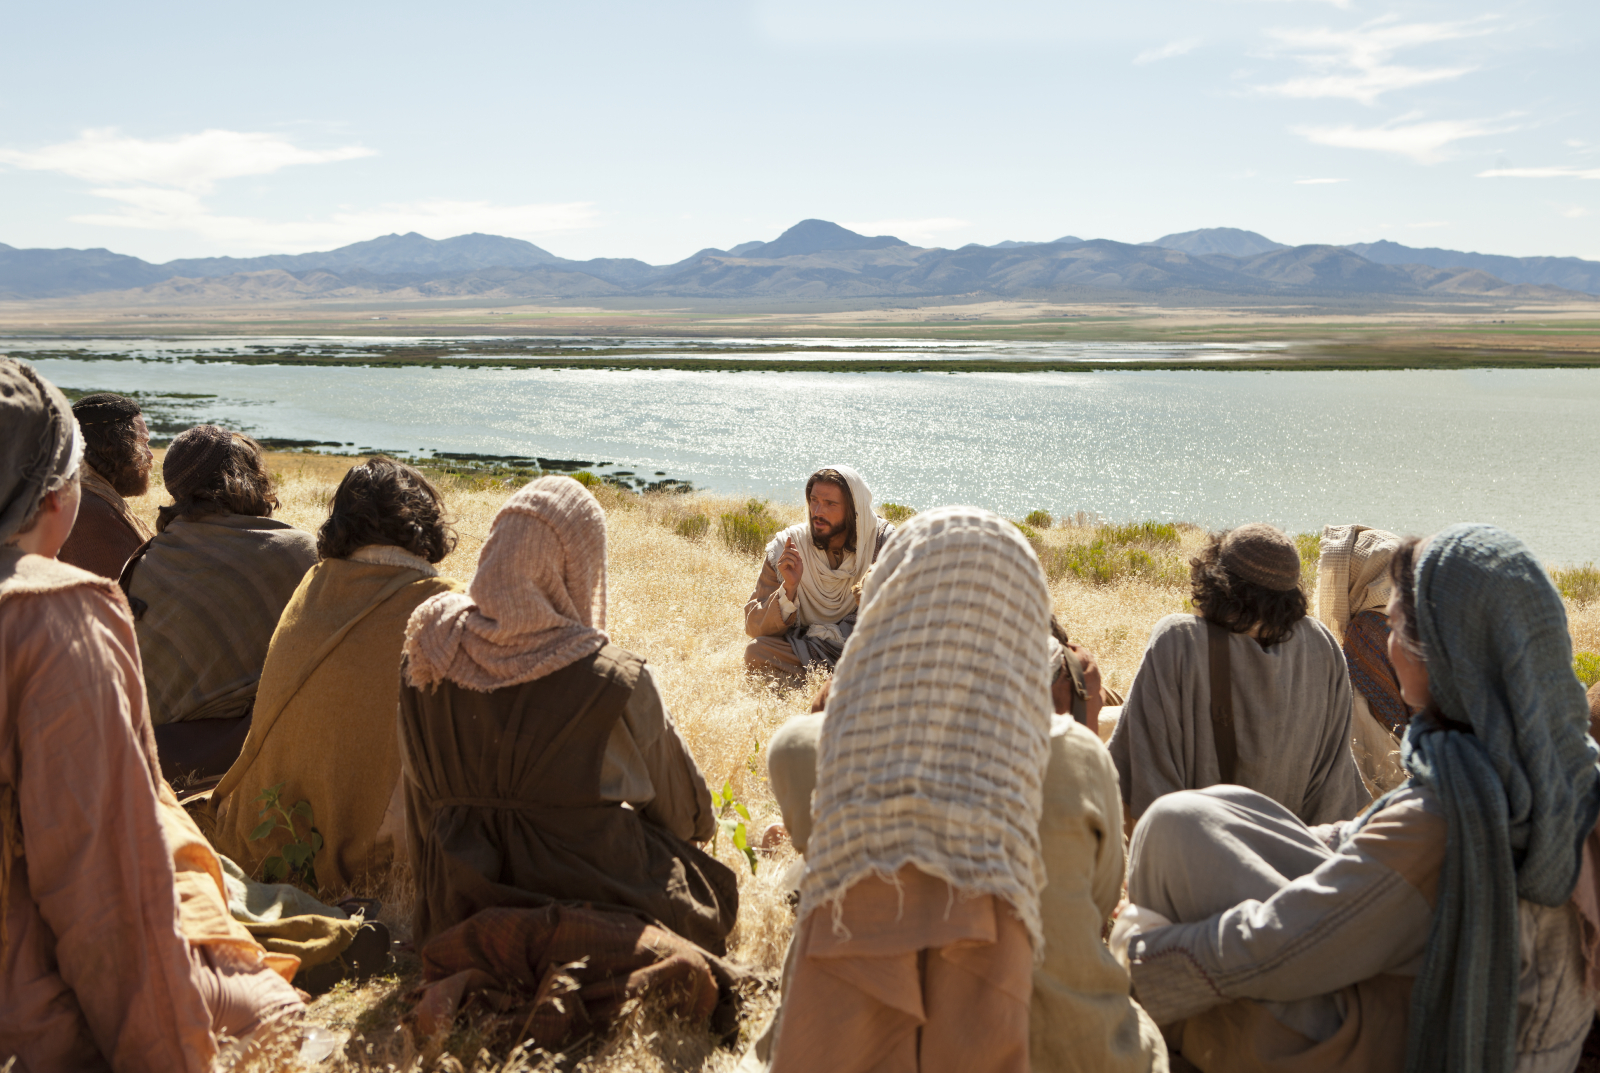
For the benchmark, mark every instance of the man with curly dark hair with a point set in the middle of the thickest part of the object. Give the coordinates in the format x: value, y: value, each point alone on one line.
x: 1250, y: 691
x: 117, y: 463
x: 331, y: 683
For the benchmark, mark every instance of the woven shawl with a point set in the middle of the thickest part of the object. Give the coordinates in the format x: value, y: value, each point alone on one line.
x: 1353, y: 573
x: 537, y: 601
x: 938, y: 723
x: 214, y: 587
x: 827, y: 595
x: 1520, y: 792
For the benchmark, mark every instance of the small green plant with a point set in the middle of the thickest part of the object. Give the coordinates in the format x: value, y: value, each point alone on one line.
x: 1039, y: 519
x: 587, y: 479
x: 1309, y: 545
x: 1586, y: 665
x: 1029, y: 533
x: 1153, y: 533
x: 894, y: 513
x: 737, y: 825
x: 293, y: 862
x: 748, y: 529
x: 692, y: 527
x: 1580, y: 584
x: 1101, y: 563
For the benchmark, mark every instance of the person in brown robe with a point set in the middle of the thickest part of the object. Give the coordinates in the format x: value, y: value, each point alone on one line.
x: 105, y: 959
x: 330, y: 684
x: 116, y: 466
x: 207, y: 592
x: 524, y: 732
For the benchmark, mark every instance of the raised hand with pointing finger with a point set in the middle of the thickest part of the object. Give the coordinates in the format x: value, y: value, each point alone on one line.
x: 790, y: 567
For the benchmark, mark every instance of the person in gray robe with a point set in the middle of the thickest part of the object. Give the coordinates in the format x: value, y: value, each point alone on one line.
x: 1283, y: 726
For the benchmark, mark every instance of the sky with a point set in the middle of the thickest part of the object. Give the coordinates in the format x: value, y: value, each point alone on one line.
x: 616, y: 128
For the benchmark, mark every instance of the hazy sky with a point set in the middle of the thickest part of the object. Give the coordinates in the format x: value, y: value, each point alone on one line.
x: 651, y: 130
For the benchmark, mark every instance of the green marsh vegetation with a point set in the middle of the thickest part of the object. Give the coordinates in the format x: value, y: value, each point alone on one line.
x: 748, y: 529
x: 1580, y: 584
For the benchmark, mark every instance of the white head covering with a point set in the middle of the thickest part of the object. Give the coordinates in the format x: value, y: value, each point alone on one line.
x: 825, y: 594
x: 1353, y: 573
x: 938, y: 724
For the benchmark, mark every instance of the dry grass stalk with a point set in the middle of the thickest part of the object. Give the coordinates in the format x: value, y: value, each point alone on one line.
x: 677, y: 601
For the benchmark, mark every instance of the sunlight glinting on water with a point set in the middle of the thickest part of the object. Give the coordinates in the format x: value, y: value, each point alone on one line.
x: 1408, y: 451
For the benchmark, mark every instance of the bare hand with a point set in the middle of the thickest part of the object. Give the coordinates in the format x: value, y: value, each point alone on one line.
x: 790, y: 568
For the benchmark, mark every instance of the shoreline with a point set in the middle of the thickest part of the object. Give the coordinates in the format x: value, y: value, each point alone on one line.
x: 752, y: 358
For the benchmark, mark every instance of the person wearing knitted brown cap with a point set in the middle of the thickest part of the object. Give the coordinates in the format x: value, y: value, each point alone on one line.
x: 117, y: 463
x: 116, y: 947
x: 1250, y: 691
x: 207, y: 591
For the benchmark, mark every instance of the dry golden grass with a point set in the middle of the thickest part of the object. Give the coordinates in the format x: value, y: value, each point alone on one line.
x: 678, y: 602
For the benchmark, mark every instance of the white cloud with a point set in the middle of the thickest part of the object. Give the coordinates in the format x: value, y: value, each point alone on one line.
x: 1431, y: 223
x: 1355, y: 64
x: 1574, y: 213
x: 193, y: 162
x: 1557, y: 172
x: 161, y: 185
x: 1167, y: 51
x: 1318, y: 182
x: 918, y: 231
x: 1422, y: 141
x: 177, y: 210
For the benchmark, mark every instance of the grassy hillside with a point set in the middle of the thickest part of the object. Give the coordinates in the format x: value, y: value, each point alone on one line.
x: 677, y: 590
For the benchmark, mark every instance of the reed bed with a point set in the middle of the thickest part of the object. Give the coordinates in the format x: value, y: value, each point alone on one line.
x: 680, y: 570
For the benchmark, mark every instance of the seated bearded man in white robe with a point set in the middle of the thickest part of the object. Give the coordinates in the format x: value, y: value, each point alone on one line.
x: 804, y: 606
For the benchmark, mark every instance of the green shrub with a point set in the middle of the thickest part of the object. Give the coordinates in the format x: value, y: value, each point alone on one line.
x: 1310, y: 547
x: 1157, y: 533
x: 587, y: 479
x: 1586, y: 665
x: 693, y: 527
x: 1101, y: 562
x: 1039, y: 519
x: 894, y: 512
x: 748, y: 529
x: 1580, y: 584
x: 1029, y: 533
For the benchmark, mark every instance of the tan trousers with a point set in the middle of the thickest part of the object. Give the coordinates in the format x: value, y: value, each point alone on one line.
x: 772, y: 655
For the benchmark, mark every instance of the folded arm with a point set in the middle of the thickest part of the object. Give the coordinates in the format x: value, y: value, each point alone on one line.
x: 1364, y: 912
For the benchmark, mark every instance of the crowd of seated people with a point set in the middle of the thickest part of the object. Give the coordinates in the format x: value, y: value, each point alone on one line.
x: 1353, y: 829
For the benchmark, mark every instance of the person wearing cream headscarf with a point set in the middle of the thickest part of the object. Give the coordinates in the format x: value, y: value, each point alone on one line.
x: 524, y: 733
x: 1352, y: 594
x: 919, y: 918
x: 804, y: 605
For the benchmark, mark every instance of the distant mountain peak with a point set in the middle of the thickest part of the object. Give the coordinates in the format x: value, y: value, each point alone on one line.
x: 815, y: 236
x: 1229, y: 241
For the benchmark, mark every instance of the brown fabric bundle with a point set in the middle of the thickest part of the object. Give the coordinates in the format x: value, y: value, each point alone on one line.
x: 518, y: 962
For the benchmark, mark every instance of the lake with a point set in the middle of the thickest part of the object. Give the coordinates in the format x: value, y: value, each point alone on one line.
x: 1407, y: 451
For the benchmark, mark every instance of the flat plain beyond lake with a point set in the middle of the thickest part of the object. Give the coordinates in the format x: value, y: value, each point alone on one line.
x: 1407, y: 450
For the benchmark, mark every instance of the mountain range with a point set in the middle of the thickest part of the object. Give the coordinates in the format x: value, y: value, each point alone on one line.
x: 813, y: 259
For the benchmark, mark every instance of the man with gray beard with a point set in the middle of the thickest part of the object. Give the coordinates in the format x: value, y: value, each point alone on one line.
x: 116, y: 464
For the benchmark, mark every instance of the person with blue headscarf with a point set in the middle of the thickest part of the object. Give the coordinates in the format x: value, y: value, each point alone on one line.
x: 1436, y: 931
